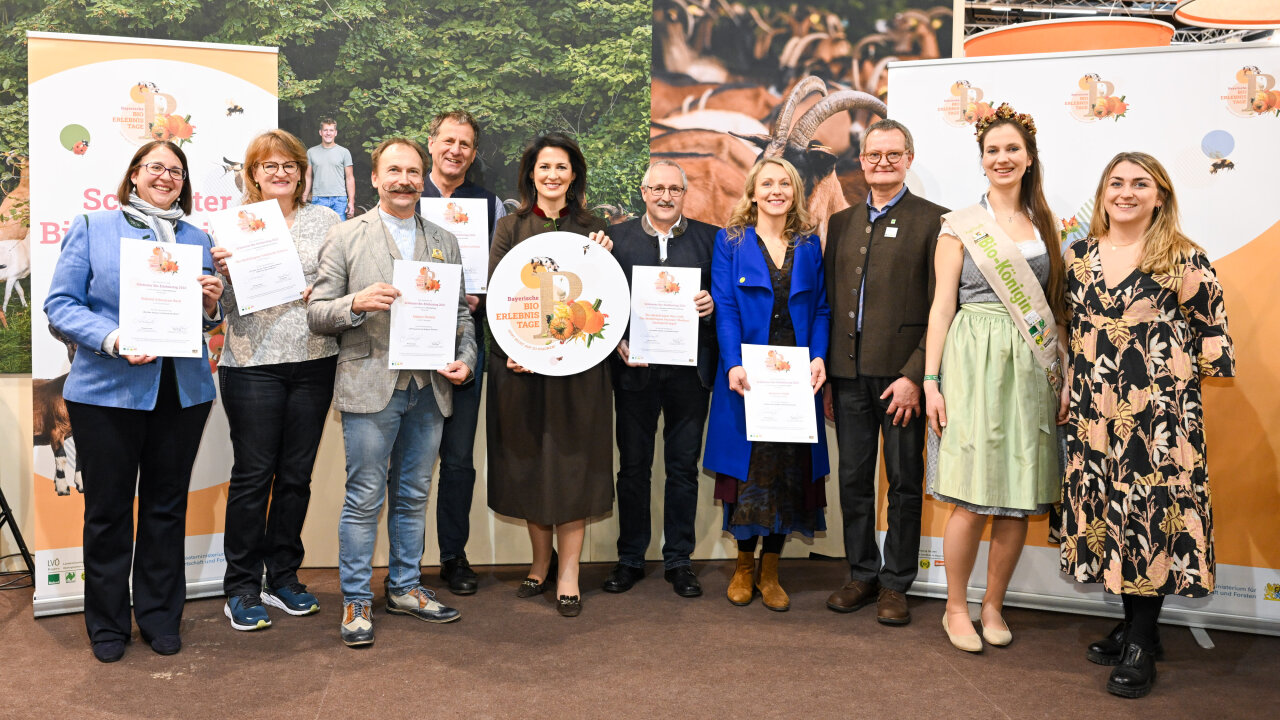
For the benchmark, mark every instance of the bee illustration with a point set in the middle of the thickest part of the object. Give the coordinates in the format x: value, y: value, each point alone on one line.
x: 233, y: 108
x: 1221, y: 164
x: 81, y: 147
x: 234, y: 167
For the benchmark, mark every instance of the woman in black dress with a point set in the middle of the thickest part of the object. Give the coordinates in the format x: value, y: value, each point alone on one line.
x: 550, y: 438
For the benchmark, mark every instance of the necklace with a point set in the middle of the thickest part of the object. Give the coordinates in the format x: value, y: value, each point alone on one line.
x: 1115, y: 247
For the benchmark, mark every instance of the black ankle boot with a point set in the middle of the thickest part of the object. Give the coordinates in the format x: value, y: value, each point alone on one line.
x: 1135, y: 675
x: 1107, y: 651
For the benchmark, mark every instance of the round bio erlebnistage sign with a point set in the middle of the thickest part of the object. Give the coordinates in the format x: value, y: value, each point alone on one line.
x: 558, y: 303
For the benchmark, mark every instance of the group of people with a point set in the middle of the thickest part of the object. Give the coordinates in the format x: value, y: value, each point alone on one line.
x: 969, y: 328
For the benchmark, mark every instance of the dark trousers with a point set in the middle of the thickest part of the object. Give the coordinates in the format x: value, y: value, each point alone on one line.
x: 276, y: 415
x: 860, y: 417
x: 457, y: 465
x: 150, y: 451
x: 678, y: 395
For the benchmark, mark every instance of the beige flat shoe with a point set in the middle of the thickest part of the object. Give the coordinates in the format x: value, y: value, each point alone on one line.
x: 968, y: 643
x: 999, y: 638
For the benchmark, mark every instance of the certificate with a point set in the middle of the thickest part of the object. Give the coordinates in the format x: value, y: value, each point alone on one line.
x: 161, y: 312
x: 424, y: 319
x: 664, y: 321
x: 779, y: 405
x: 468, y: 220
x: 264, y: 263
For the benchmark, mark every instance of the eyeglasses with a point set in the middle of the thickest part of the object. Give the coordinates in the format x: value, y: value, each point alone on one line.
x: 159, y: 169
x: 272, y: 168
x: 660, y: 190
x: 874, y: 157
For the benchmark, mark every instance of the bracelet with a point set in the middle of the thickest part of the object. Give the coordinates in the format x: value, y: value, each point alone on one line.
x: 935, y: 378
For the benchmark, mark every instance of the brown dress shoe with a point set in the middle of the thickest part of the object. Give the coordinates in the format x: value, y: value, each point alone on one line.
x: 852, y: 596
x: 891, y: 608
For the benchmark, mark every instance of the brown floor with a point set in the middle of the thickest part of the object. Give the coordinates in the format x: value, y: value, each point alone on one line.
x: 644, y: 654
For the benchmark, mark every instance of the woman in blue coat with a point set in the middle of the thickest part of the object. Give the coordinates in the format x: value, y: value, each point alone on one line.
x: 137, y: 419
x: 767, y: 283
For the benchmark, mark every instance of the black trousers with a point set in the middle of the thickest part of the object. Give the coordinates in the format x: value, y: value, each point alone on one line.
x: 153, y: 451
x: 276, y: 417
x: 677, y: 394
x: 457, y: 464
x: 860, y: 419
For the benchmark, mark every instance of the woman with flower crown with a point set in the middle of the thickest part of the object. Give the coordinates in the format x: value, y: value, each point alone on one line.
x: 993, y: 372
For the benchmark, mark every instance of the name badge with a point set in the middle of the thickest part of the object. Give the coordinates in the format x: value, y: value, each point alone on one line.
x: 891, y: 232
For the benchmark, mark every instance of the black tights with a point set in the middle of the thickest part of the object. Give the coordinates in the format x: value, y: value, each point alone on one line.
x: 1141, y: 612
x: 772, y: 544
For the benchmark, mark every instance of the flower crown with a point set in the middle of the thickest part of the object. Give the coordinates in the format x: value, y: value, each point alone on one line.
x: 1005, y: 112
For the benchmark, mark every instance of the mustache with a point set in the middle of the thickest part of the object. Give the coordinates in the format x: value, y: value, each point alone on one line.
x: 665, y: 204
x: 403, y: 188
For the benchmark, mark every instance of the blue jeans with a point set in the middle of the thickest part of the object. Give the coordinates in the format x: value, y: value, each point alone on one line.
x: 389, y: 451
x: 457, y: 464
x: 336, y: 203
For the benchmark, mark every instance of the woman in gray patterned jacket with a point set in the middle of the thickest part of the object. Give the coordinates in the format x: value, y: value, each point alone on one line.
x: 276, y: 378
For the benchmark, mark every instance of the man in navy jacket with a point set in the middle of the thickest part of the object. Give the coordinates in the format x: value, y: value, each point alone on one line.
x: 662, y: 237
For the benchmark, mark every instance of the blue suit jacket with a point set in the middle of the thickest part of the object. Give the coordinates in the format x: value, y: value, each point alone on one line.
x: 743, y: 293
x: 84, y: 305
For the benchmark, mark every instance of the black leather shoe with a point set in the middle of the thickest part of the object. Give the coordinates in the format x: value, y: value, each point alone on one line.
x: 1135, y: 675
x: 166, y: 644
x: 622, y: 578
x: 1107, y: 651
x: 683, y: 581
x: 108, y: 651
x: 462, y: 580
x: 569, y: 605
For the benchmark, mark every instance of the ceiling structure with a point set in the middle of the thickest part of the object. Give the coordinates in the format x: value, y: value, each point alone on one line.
x: 981, y: 15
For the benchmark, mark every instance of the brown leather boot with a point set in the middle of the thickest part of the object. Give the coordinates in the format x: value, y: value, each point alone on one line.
x: 771, y: 593
x: 742, y: 586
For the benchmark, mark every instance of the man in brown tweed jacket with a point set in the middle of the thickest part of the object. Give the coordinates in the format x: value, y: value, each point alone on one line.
x: 879, y: 273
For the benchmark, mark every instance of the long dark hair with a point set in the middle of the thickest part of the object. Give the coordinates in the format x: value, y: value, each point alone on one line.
x: 1031, y: 193
x: 127, y: 185
x: 576, y: 196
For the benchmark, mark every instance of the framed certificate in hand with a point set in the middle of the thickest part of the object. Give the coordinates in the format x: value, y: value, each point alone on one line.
x: 161, y: 312
x: 779, y: 405
x: 664, y: 320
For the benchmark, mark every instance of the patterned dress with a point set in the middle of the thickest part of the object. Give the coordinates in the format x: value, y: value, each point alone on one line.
x: 1137, y: 515
x: 778, y: 496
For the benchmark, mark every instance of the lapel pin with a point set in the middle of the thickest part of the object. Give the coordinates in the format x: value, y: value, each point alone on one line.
x: 435, y: 254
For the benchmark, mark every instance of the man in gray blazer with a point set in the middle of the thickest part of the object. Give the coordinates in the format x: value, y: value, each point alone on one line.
x: 391, y: 420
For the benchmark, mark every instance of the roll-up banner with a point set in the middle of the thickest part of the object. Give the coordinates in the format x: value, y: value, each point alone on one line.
x: 1212, y: 117
x: 93, y: 101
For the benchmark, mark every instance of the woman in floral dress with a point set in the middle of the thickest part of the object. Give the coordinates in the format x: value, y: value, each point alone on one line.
x: 1148, y: 321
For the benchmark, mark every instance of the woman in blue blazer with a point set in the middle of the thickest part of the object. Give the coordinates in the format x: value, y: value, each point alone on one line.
x: 136, y: 419
x: 767, y: 283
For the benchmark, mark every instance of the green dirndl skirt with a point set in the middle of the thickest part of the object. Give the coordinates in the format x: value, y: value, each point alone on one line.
x: 999, y: 454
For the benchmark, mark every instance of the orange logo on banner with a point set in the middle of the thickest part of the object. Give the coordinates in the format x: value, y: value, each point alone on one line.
x: 1096, y: 100
x: 152, y: 115
x: 1254, y: 93
x: 965, y: 105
